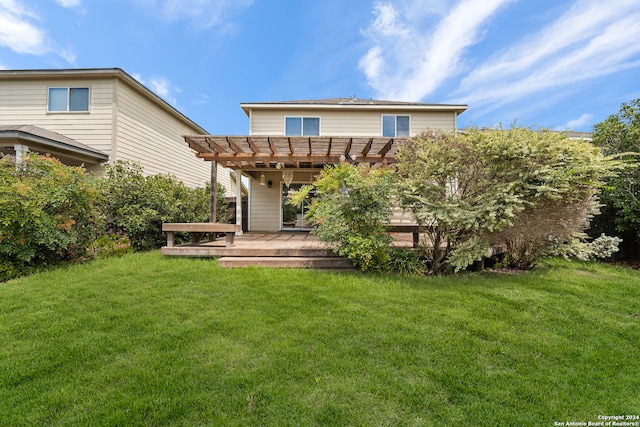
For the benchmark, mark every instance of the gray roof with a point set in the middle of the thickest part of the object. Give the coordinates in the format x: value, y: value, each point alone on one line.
x: 353, y: 104
x: 352, y: 101
x: 38, y: 135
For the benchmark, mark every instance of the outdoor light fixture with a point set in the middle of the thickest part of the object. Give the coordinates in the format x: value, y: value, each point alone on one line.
x: 278, y: 165
x: 262, y: 179
x: 269, y: 184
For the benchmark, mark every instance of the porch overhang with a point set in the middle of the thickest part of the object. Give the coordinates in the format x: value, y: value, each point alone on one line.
x: 301, y: 152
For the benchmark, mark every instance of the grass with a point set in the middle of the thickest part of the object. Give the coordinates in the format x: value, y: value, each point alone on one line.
x: 148, y: 340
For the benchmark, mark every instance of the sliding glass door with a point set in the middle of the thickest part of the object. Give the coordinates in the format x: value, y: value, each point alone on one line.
x: 293, y: 217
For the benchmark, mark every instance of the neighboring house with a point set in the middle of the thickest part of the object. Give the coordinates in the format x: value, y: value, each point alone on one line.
x: 290, y: 142
x: 93, y: 116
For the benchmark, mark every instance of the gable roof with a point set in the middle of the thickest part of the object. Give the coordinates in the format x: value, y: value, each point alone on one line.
x: 89, y: 73
x: 46, y: 140
x: 353, y: 103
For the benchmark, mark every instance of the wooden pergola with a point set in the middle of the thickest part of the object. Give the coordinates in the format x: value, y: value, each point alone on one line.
x: 244, y: 153
x: 258, y: 152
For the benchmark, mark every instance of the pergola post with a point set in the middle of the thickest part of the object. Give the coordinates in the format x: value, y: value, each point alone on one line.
x: 239, y: 200
x: 21, y: 151
x: 213, y: 192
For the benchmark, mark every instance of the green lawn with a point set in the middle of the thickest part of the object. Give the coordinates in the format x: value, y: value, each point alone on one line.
x: 148, y: 340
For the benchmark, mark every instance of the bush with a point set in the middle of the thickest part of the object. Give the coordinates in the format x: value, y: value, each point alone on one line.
x: 136, y: 206
x: 578, y: 247
x: 46, y: 213
x: 515, y: 187
x: 406, y: 262
x: 351, y: 209
x: 109, y: 245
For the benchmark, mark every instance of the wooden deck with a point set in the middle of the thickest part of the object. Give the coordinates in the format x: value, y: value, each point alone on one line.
x: 284, y: 249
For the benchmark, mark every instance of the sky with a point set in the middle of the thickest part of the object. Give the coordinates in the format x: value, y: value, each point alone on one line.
x: 558, y: 64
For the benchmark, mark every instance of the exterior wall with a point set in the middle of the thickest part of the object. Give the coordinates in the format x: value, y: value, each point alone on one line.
x: 348, y: 122
x: 121, y: 122
x: 265, y: 204
x: 25, y: 102
x: 151, y: 136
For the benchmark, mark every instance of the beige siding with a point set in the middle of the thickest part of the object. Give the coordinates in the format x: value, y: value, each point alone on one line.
x: 151, y: 136
x: 121, y: 122
x: 25, y: 102
x: 348, y: 122
x: 264, y: 203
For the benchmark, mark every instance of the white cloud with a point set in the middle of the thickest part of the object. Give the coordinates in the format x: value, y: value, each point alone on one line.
x: 203, y: 13
x: 68, y: 3
x: 161, y: 86
x: 580, y: 123
x: 418, y: 47
x: 409, y: 60
x: 17, y: 32
x: 202, y: 99
x: 20, y: 31
x: 592, y: 39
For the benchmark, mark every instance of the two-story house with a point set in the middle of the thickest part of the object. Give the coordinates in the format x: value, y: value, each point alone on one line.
x: 93, y: 116
x: 290, y: 142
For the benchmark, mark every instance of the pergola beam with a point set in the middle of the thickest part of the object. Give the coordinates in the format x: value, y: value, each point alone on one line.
x: 262, y: 151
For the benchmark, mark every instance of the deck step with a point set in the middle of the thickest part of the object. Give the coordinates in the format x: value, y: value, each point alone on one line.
x: 285, y: 262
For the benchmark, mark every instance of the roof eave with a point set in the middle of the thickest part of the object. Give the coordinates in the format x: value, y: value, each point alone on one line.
x: 103, y: 73
x: 96, y: 155
x: 457, y: 108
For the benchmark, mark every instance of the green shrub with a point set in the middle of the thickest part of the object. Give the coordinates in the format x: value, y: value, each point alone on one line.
x: 136, y: 206
x: 513, y: 188
x: 578, y: 247
x: 46, y: 213
x: 406, y: 262
x: 350, y: 210
x: 108, y: 245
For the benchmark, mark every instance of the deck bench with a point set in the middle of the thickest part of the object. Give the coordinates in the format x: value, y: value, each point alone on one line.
x: 198, y: 229
x: 413, y: 229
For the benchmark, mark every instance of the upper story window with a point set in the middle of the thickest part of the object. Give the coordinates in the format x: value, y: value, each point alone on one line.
x: 394, y: 126
x: 68, y: 99
x: 302, y: 126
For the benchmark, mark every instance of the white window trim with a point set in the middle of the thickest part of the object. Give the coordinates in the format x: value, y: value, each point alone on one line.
x: 67, y: 111
x: 302, y: 124
x: 382, y: 116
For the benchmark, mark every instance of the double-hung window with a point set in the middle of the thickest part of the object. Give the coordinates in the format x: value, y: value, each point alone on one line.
x: 394, y: 126
x: 302, y: 126
x: 68, y: 99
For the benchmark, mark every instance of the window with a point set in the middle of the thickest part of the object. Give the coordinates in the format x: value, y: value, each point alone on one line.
x: 68, y: 99
x: 302, y: 126
x: 395, y: 126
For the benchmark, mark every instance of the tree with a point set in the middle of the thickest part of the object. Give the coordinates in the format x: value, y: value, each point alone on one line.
x: 350, y: 211
x: 516, y: 187
x: 619, y: 135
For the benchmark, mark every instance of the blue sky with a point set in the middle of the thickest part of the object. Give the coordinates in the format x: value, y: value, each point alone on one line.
x: 561, y: 64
